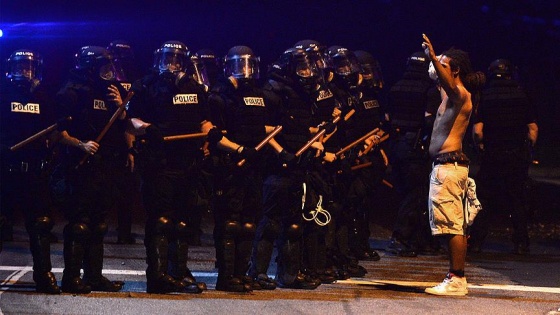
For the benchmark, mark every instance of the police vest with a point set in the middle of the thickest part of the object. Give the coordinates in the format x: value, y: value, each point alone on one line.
x: 504, y: 110
x: 248, y: 116
x: 297, y: 118
x: 407, y: 102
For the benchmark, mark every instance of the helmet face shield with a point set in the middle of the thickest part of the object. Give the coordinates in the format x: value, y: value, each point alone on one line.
x: 372, y: 75
x: 170, y: 62
x: 24, y: 66
x: 109, y: 72
x: 242, y: 67
x: 346, y: 65
x: 197, y: 70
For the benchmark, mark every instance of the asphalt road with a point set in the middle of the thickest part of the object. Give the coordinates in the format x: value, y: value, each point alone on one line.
x: 499, y: 283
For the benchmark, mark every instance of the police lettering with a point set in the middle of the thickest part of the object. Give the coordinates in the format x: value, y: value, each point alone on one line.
x: 24, y: 53
x: 30, y: 108
x: 181, y: 99
x: 253, y: 101
x: 324, y: 94
x: 99, y: 104
x: 371, y: 104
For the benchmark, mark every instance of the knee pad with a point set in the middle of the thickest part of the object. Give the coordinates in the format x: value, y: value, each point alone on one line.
x: 182, y: 230
x: 271, y: 230
x: 77, y: 231
x: 248, y: 230
x: 294, y: 231
x: 99, y: 229
x: 43, y: 225
x: 232, y: 228
x: 164, y: 226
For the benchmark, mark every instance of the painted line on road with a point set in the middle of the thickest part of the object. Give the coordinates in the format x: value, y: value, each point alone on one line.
x: 505, y: 287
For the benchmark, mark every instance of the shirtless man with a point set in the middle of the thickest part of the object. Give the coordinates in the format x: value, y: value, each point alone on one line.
x: 448, y: 180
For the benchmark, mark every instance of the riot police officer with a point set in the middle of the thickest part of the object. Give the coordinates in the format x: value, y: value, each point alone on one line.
x: 292, y: 83
x: 24, y: 173
x: 212, y: 64
x: 238, y: 105
x: 124, y: 58
x: 170, y: 101
x: 85, y: 179
x: 412, y: 106
x: 505, y: 130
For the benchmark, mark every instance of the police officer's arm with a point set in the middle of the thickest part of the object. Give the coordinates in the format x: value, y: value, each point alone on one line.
x: 89, y: 147
x: 478, y: 135
x: 215, y: 136
x: 533, y: 133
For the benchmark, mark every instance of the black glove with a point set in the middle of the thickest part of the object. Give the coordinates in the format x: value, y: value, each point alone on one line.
x: 214, y: 136
x: 153, y: 136
x: 328, y: 127
x: 287, y: 158
x: 248, y: 153
x: 63, y: 123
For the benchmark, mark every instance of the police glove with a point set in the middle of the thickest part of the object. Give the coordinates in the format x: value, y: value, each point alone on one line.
x: 328, y: 127
x: 248, y: 153
x: 287, y: 158
x: 153, y: 136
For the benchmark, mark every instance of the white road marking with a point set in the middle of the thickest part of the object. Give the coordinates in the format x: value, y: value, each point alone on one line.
x: 505, y: 287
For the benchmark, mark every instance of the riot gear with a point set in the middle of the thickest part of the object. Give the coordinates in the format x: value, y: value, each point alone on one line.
x: 371, y: 70
x: 97, y: 62
x: 345, y: 66
x: 122, y: 54
x: 197, y: 70
x: 211, y: 63
x: 297, y: 65
x: 25, y: 68
x: 501, y: 68
x: 241, y: 63
x: 171, y: 58
x: 316, y: 51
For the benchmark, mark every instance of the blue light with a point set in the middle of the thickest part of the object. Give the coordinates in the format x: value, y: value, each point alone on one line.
x: 1, y: 33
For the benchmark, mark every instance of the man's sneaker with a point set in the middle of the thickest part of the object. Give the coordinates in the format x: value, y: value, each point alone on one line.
x: 451, y: 285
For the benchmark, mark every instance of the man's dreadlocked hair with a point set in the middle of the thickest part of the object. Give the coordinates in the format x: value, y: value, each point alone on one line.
x: 473, y: 80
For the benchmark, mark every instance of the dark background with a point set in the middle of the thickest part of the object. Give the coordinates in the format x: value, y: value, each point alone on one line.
x: 526, y: 32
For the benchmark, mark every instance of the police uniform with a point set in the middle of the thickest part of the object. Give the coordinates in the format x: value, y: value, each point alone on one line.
x: 505, y: 112
x: 169, y: 174
x: 237, y: 199
x: 409, y: 100
x: 24, y: 172
x: 88, y: 189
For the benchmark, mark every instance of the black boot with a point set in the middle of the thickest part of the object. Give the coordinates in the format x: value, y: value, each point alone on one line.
x: 73, y: 257
x: 179, y: 253
x: 226, y: 280
x: 93, y: 262
x: 41, y: 251
x: 93, y: 266
x: 158, y: 281
x: 39, y: 244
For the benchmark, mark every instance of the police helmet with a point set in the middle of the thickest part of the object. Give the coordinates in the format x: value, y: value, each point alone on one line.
x: 25, y: 66
x: 241, y: 63
x: 121, y: 49
x: 297, y: 64
x: 371, y: 70
x: 171, y: 57
x: 97, y: 61
x: 197, y: 70
x: 501, y: 68
x: 345, y: 66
